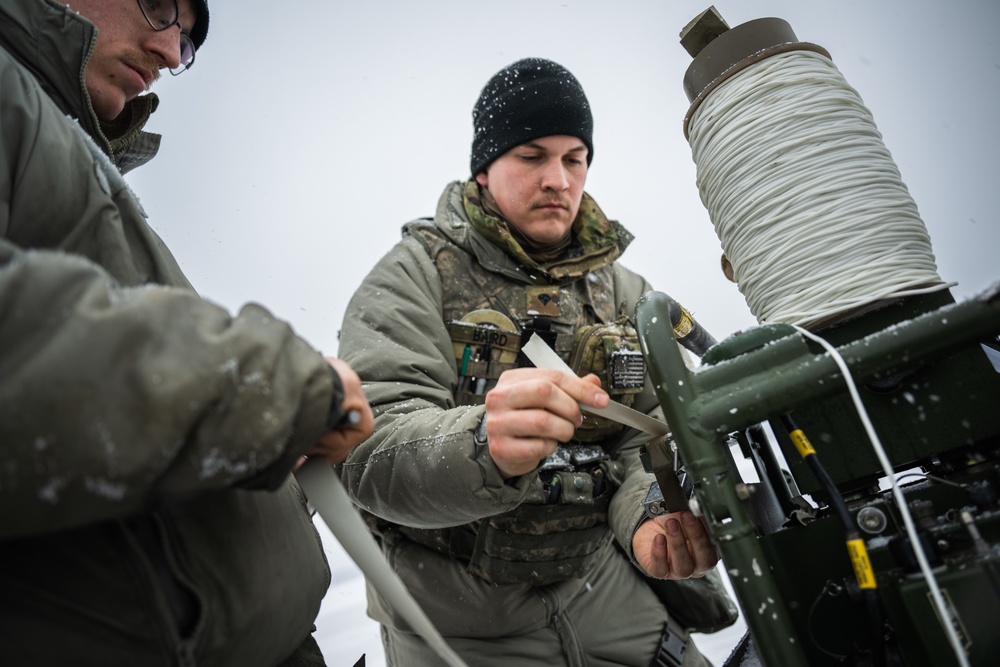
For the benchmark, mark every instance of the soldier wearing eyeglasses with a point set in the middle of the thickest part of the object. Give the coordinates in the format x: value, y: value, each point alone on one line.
x: 147, y: 511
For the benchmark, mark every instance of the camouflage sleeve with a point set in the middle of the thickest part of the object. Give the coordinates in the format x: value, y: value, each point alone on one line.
x: 421, y: 468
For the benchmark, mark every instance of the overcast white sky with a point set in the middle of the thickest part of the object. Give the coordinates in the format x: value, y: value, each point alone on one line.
x: 307, y: 133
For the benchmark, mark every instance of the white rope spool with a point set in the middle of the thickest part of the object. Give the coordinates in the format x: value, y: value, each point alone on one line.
x: 805, y: 198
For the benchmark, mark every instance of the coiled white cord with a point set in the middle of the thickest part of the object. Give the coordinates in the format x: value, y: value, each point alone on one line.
x: 805, y: 198
x: 812, y: 214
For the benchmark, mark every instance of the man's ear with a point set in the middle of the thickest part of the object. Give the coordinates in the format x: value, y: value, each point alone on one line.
x: 727, y: 268
x: 482, y: 178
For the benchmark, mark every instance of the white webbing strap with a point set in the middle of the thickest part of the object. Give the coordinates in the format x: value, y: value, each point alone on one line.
x: 325, y: 493
x: 543, y: 356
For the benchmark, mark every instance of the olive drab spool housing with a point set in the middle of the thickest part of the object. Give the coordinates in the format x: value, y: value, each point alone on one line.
x: 820, y: 550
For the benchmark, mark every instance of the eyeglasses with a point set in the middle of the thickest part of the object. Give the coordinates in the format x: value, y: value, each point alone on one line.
x: 163, y: 14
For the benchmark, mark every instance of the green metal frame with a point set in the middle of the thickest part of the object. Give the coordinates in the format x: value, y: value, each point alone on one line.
x: 777, y: 373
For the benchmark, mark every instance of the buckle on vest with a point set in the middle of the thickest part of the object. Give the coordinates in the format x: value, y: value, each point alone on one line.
x: 670, y: 652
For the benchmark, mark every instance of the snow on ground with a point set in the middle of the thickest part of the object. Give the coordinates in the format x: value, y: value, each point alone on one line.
x: 345, y: 632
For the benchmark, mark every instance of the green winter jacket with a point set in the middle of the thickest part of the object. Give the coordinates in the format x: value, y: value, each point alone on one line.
x: 423, y: 469
x: 147, y: 514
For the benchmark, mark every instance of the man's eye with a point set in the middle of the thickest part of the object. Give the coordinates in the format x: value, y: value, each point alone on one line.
x: 159, y: 13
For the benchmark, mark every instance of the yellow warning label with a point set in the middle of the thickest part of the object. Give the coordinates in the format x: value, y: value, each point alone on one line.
x: 862, y: 566
x: 801, y: 443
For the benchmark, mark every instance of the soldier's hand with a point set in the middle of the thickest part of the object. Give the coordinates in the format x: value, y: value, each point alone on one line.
x: 337, y: 443
x: 531, y: 410
x: 674, y: 546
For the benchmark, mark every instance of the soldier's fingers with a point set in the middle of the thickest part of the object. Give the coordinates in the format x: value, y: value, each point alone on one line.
x: 536, y: 393
x: 532, y: 422
x: 700, y: 543
x: 519, y: 456
x: 659, y: 563
x: 586, y: 390
x: 681, y: 561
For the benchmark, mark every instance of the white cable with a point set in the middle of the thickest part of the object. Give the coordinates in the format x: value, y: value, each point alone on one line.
x: 805, y: 198
x: 944, y: 612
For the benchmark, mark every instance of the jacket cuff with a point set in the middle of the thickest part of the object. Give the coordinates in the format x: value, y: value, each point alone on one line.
x: 336, y: 411
x: 272, y: 477
x: 508, y: 493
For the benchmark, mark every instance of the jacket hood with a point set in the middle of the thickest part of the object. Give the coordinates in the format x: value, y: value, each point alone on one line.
x: 54, y: 43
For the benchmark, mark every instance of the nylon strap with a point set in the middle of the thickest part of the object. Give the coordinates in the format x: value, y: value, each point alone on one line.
x: 325, y: 493
x: 542, y: 356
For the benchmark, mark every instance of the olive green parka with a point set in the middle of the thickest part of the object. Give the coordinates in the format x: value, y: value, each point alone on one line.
x: 423, y: 468
x: 147, y: 513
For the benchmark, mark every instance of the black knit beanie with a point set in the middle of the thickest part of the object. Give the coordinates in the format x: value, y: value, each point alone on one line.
x: 529, y: 99
x: 200, y: 30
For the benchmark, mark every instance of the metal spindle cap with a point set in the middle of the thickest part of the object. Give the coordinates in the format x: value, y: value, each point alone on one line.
x: 720, y: 51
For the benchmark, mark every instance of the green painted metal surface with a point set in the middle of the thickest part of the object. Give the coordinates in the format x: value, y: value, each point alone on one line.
x: 794, y: 583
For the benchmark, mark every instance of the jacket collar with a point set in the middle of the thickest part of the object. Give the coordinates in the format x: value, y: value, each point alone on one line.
x: 54, y: 43
x: 603, y: 242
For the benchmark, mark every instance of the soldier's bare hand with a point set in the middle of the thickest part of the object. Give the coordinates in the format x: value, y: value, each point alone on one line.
x: 674, y: 546
x: 531, y: 410
x: 337, y: 443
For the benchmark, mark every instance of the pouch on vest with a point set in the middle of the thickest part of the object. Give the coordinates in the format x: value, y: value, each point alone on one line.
x: 486, y: 344
x: 559, y: 532
x: 560, y: 539
x: 612, y: 352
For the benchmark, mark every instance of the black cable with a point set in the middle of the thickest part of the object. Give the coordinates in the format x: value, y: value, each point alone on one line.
x: 863, y: 573
x: 688, y: 331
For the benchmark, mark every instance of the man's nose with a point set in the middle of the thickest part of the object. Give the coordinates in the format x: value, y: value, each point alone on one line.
x: 165, y: 46
x: 554, y: 176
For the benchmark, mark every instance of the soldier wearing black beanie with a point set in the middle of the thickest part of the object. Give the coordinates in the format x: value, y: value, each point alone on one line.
x: 492, y: 443
x: 531, y: 98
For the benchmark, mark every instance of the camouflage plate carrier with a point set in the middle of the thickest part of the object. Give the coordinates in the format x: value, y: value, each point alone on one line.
x: 560, y: 529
